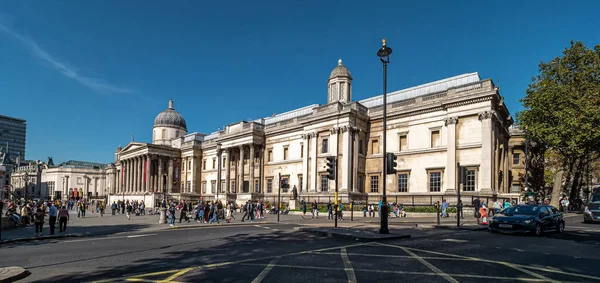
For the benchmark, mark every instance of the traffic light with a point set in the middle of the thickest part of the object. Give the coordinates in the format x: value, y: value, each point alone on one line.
x: 331, y: 168
x: 462, y: 171
x: 284, y: 183
x: 390, y: 163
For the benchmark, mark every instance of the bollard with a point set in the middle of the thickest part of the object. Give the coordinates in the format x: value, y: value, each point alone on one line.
x: 352, y: 211
x: 437, y: 209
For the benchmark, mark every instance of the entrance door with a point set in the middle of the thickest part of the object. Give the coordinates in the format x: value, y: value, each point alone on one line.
x: 246, y: 186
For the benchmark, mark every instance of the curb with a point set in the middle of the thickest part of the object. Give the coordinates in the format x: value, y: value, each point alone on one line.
x: 49, y: 237
x: 467, y: 228
x: 15, y: 273
x: 350, y: 236
x: 211, y: 225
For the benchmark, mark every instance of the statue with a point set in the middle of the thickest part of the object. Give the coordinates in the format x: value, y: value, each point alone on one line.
x: 295, y: 192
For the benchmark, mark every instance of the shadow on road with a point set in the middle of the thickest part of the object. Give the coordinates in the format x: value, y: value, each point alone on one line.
x: 232, y: 248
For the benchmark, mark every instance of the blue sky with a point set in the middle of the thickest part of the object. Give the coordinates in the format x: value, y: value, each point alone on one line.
x: 86, y: 74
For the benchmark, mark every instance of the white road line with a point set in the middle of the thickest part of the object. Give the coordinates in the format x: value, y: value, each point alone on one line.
x: 518, y: 250
x: 454, y: 240
x: 137, y: 236
x: 431, y: 266
x: 265, y: 271
x: 348, y: 266
x: 107, y: 238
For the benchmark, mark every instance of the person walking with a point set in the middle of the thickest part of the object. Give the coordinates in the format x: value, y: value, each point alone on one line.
x: 315, y: 209
x: 172, y: 215
x: 303, y: 205
x: 113, y: 207
x: 129, y: 210
x: 330, y: 211
x: 63, y: 215
x: 52, y: 213
x: 39, y: 221
x: 251, y: 211
x: 444, y: 208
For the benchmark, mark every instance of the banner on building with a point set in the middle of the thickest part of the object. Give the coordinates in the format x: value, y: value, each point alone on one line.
x: 145, y: 170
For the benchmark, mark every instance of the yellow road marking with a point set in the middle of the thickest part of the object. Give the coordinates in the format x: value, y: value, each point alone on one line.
x: 430, y: 266
x: 181, y: 272
x: 348, y: 266
x: 537, y: 275
x: 265, y: 271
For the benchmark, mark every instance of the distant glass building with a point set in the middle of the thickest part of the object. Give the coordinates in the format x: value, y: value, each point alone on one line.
x: 13, y: 132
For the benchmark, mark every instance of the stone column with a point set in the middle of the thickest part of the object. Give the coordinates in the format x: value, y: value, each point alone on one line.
x: 261, y: 168
x: 451, y: 154
x: 304, y: 161
x: 313, y: 161
x: 228, y: 172
x: 219, y: 169
x: 355, y: 161
x: 485, y: 180
x: 193, y: 173
x: 170, y: 176
x: 240, y: 183
x: 95, y: 186
x: 159, y: 179
x: 251, y: 169
x: 138, y: 174
x: 128, y: 174
x: 147, y: 168
x: 346, y: 158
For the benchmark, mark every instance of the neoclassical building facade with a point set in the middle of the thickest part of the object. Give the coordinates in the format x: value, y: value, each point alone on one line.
x: 430, y: 128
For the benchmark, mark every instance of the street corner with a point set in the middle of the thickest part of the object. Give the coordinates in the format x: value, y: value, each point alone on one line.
x: 12, y: 274
x: 43, y: 238
x: 353, y: 233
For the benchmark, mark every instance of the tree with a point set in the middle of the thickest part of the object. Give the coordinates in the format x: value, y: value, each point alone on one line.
x: 561, y: 109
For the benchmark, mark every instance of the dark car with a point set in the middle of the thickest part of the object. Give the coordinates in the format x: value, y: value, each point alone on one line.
x: 592, y: 209
x: 528, y: 219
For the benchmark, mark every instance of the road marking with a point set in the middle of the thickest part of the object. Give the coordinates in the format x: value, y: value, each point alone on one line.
x: 431, y: 266
x: 454, y: 240
x: 181, y: 272
x: 265, y: 271
x: 537, y: 275
x: 137, y: 236
x: 348, y: 266
x: 518, y: 250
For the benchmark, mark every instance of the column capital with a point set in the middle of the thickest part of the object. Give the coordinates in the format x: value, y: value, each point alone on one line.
x: 344, y: 129
x: 312, y: 135
x: 450, y: 121
x: 335, y: 130
x: 486, y: 115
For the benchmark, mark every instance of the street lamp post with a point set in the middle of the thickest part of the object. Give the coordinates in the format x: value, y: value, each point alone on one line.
x: 26, y: 180
x: 384, y: 55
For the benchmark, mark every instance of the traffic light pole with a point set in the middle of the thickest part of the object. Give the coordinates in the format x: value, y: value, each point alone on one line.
x: 336, y: 191
x: 384, y: 206
x: 458, y: 189
x: 279, y: 198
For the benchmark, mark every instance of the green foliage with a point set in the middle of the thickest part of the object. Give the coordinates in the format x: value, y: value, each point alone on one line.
x: 561, y: 103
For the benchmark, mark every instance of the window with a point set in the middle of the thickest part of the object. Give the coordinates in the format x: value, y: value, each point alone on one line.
x: 324, y: 183
x: 79, y: 181
x: 470, y: 180
x: 223, y: 184
x: 403, y: 143
x: 232, y: 186
x: 285, y: 180
x: 256, y: 187
x: 183, y: 166
x: 189, y: 165
x: 214, y: 161
x: 375, y: 146
x: 270, y: 155
x: 163, y: 134
x: 301, y: 150
x: 213, y: 185
x: 435, y: 138
x: 189, y: 186
x: 374, y: 184
x: 285, y: 153
x: 269, y: 185
x: 325, y: 146
x: 516, y: 158
x: 403, y: 183
x: 516, y: 188
x: 361, y: 183
x: 300, y: 182
x: 223, y: 163
x: 435, y: 181
x: 51, y: 188
x: 361, y: 147
x: 204, y: 164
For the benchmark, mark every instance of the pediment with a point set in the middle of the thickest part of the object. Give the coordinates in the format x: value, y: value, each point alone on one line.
x: 133, y: 146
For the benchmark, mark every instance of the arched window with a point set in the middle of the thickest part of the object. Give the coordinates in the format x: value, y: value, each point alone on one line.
x: 164, y: 134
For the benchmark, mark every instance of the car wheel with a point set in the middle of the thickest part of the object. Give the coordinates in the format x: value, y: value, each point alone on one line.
x: 560, y: 227
x: 538, y: 230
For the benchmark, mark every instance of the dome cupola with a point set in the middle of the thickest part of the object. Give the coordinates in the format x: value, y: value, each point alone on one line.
x: 170, y: 118
x: 339, y: 85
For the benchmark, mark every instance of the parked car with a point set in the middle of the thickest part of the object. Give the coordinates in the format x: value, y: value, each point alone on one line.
x: 528, y: 219
x: 591, y: 212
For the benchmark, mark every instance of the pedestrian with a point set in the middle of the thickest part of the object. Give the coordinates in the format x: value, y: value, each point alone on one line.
x: 82, y: 209
x: 445, y: 208
x: 63, y: 215
x: 245, y: 210
x: 201, y: 212
x: 113, y: 207
x: 129, y: 210
x: 39, y: 222
x: 303, y: 205
x: 330, y: 211
x: 315, y: 209
x: 565, y: 204
x: 251, y: 211
x: 52, y: 213
x: 171, y: 215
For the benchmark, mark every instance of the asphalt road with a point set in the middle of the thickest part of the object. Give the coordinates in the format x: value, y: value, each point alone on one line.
x: 272, y: 252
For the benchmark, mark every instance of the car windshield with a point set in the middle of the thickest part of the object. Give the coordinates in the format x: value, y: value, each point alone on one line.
x: 521, y: 210
x: 595, y: 198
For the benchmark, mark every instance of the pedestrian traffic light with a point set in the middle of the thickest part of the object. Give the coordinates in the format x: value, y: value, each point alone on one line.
x: 284, y: 183
x: 331, y: 168
x: 390, y: 163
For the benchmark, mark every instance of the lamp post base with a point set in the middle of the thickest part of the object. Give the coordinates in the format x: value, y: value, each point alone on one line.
x: 384, y: 220
x: 163, y: 215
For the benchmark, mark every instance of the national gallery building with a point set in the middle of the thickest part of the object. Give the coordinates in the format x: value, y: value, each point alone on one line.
x: 430, y: 128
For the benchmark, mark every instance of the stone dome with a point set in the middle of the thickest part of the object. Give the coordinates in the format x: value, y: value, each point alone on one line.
x: 340, y: 71
x: 170, y: 118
